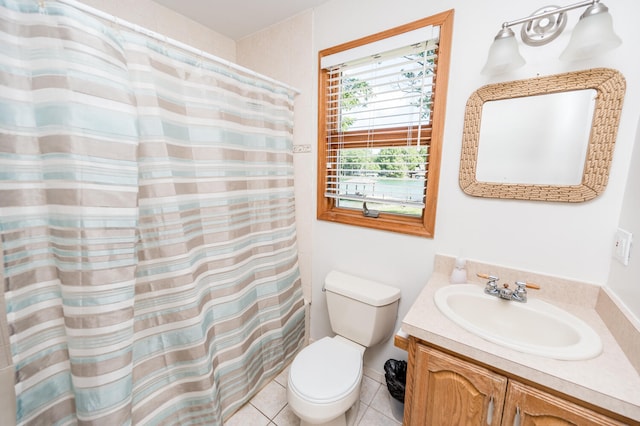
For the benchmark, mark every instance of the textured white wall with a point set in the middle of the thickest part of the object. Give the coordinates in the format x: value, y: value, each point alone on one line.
x: 160, y: 19
x: 568, y: 240
x: 625, y: 280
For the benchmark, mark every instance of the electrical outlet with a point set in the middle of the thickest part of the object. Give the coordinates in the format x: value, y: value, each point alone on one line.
x: 297, y: 149
x: 622, y: 249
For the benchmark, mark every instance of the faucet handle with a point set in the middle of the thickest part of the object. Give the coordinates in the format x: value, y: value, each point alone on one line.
x: 521, y: 285
x: 491, y: 287
x: 491, y: 278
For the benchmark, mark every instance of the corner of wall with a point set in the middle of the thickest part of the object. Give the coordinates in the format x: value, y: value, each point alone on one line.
x: 622, y: 324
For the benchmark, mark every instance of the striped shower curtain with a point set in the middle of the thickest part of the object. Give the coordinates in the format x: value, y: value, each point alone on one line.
x: 147, y: 225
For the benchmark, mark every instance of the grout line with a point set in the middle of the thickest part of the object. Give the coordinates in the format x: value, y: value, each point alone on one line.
x: 273, y: 420
x: 263, y: 414
x: 363, y: 406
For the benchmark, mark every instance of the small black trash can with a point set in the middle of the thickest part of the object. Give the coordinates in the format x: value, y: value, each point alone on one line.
x: 395, y: 373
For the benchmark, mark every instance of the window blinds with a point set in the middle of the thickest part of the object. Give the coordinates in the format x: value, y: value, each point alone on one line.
x: 378, y: 124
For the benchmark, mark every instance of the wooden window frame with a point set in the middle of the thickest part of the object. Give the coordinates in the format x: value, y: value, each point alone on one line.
x: 423, y: 226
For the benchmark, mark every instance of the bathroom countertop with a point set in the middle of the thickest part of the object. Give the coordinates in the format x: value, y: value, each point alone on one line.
x: 608, y: 380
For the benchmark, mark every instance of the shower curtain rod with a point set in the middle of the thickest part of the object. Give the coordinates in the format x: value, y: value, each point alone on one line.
x: 168, y: 40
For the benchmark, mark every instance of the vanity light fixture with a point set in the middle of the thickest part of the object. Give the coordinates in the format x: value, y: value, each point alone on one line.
x: 592, y: 35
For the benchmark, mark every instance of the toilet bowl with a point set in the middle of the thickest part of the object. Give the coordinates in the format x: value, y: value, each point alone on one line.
x: 324, y: 381
x: 325, y: 377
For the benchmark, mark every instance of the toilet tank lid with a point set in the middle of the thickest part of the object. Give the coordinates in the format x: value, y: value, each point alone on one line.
x: 366, y: 291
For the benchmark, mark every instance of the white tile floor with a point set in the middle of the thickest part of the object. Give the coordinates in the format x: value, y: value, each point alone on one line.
x: 269, y: 407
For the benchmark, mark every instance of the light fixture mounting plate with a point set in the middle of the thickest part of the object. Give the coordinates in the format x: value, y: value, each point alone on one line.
x: 542, y: 30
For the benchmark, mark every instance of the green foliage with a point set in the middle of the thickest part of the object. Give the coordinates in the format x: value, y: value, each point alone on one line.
x: 412, y: 82
x: 355, y: 93
x: 389, y: 161
x: 394, y: 160
x: 386, y: 162
x: 357, y: 160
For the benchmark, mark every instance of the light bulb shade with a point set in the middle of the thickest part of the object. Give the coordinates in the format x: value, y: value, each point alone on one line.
x: 503, y: 56
x: 592, y: 35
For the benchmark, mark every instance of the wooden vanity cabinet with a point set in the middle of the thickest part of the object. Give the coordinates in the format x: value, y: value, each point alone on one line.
x: 537, y: 408
x: 443, y: 390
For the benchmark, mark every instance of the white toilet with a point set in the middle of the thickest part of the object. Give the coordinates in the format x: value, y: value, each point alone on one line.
x: 324, y: 378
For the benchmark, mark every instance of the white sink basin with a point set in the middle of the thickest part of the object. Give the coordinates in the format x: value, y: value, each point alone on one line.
x: 534, y: 327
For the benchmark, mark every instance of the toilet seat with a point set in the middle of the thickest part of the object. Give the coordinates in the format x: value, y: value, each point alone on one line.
x: 326, y: 371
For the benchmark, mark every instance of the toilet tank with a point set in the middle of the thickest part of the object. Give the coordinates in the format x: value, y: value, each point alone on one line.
x: 361, y: 310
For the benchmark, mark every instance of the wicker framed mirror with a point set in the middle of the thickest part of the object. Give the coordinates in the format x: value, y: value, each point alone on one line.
x: 605, y: 86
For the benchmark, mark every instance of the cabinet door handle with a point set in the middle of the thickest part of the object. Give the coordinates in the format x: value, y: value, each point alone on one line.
x: 490, y: 411
x: 516, y: 418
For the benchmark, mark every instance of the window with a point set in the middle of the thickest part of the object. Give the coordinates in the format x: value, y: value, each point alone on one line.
x: 381, y: 115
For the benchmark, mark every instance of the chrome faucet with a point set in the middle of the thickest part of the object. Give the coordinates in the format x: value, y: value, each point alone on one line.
x: 518, y: 295
x: 492, y: 286
x: 505, y: 292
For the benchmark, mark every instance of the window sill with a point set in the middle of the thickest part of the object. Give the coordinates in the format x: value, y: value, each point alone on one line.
x: 385, y: 222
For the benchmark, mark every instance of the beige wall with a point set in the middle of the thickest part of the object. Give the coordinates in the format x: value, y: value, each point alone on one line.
x: 155, y: 17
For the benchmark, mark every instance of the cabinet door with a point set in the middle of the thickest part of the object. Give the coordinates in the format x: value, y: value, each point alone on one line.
x: 527, y: 406
x: 447, y: 391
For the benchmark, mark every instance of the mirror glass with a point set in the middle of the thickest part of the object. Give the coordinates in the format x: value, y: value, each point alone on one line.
x: 545, y: 138
x: 538, y: 139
